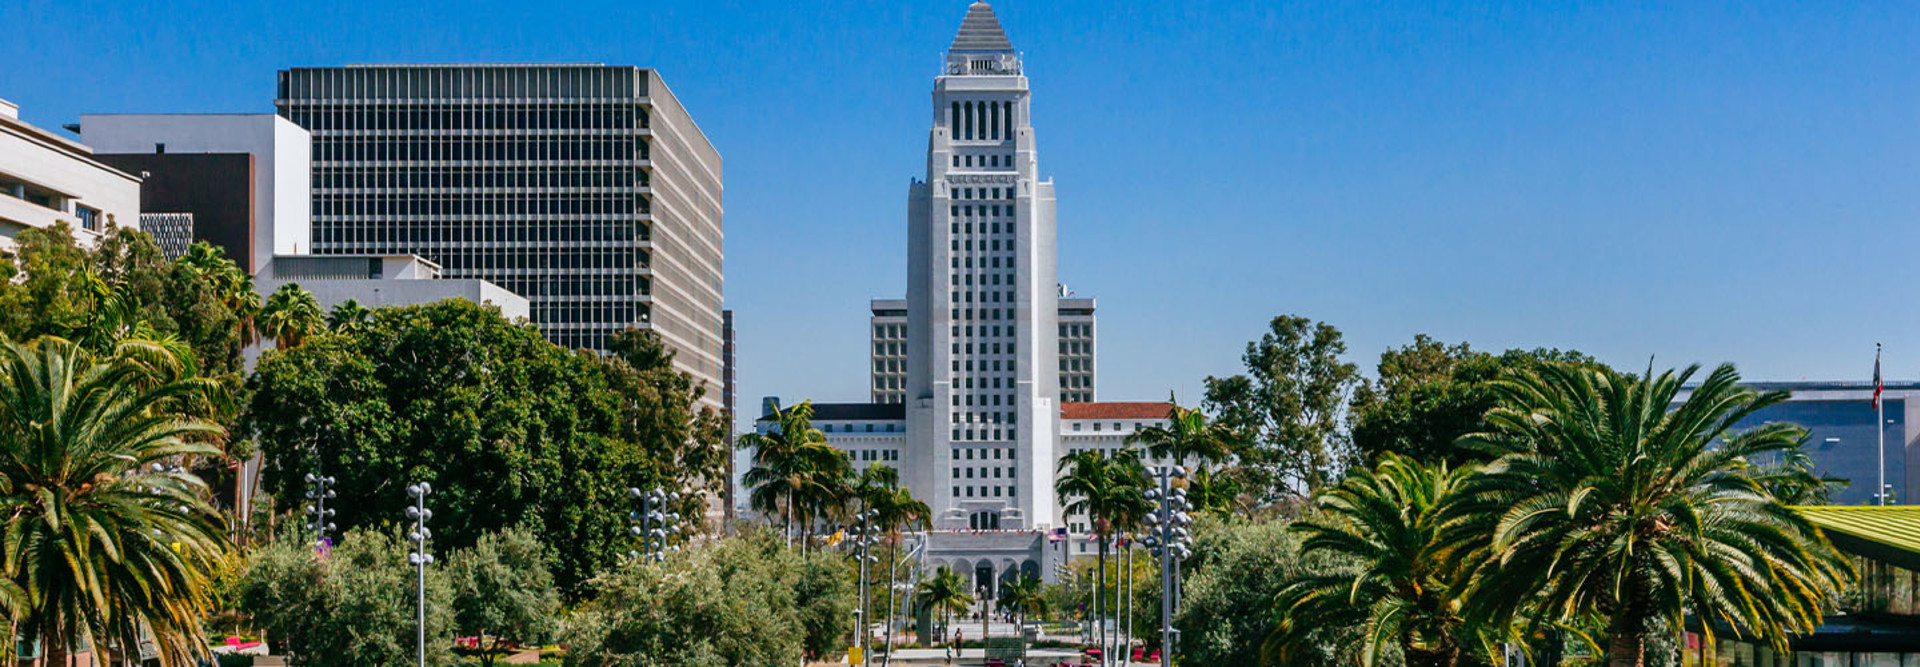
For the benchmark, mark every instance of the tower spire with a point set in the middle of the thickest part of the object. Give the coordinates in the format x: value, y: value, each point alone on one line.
x: 980, y: 32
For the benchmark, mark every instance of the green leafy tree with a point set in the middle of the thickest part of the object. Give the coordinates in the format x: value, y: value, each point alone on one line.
x: 945, y: 592
x: 1236, y: 574
x: 291, y: 316
x: 1289, y: 406
x: 824, y: 594
x: 510, y: 429
x: 1110, y: 491
x: 730, y: 602
x: 1612, y: 495
x: 356, y: 606
x: 502, y: 592
x: 103, y: 536
x: 1391, y: 522
x: 1429, y: 394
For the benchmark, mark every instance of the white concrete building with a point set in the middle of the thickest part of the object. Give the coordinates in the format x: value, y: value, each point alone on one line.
x: 982, y: 378
x: 45, y: 178
x: 281, y: 165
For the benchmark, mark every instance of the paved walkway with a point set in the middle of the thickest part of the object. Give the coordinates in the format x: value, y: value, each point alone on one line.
x: 973, y: 657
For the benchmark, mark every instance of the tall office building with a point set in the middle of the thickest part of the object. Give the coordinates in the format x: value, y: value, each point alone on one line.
x: 984, y: 375
x: 583, y: 187
x: 981, y: 284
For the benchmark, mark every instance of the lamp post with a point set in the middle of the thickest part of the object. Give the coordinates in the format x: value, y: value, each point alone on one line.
x: 319, y: 489
x: 1169, y: 544
x: 863, y: 543
x: 653, y: 524
x: 419, y: 557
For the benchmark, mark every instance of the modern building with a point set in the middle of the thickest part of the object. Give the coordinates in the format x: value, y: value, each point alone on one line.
x: 586, y: 188
x: 888, y: 360
x: 1842, y: 439
x: 246, y: 178
x: 45, y: 179
x: 983, y: 376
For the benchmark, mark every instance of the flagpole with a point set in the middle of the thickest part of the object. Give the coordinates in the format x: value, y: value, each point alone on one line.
x: 1880, y: 424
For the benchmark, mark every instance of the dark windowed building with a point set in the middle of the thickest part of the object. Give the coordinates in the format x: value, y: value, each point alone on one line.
x: 583, y: 187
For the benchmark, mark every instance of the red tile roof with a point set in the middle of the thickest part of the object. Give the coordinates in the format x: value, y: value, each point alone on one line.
x: 1133, y: 410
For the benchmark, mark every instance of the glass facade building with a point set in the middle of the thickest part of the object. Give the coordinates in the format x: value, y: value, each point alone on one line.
x: 585, y: 188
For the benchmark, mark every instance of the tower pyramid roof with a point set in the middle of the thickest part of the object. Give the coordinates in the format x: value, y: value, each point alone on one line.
x: 980, y: 31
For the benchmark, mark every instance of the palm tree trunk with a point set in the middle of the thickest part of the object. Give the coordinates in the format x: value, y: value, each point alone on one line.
x: 1099, y: 597
x: 893, y: 569
x: 788, y: 530
x: 1627, y: 634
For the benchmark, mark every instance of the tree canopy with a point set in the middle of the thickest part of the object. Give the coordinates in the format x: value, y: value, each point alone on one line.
x: 512, y: 429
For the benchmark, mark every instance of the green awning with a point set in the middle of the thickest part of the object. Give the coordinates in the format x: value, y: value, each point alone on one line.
x: 1885, y: 533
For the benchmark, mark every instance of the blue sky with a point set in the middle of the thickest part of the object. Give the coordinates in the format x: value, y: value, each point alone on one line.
x: 1703, y: 182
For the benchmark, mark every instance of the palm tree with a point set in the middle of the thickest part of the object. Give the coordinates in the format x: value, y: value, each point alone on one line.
x: 1210, y: 491
x: 1611, y: 495
x: 348, y: 317
x: 105, y: 538
x: 796, y: 472
x: 1390, y: 521
x: 897, y: 510
x: 290, y: 316
x: 1023, y: 597
x: 946, y: 591
x: 233, y: 285
x: 1187, y: 433
x: 1111, y: 492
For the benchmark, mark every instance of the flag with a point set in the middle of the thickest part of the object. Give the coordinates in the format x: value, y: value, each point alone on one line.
x: 1877, y: 386
x: 837, y: 536
x: 1058, y: 535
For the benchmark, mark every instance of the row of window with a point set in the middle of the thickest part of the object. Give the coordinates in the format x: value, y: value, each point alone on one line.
x: 1117, y: 426
x: 892, y: 331
x: 464, y: 233
x: 980, y: 121
x: 488, y: 116
x: 994, y: 453
x: 968, y: 400
x: 514, y: 203
x: 967, y: 278
x: 477, y: 176
x: 573, y: 312
x: 890, y: 427
x: 984, y: 417
x: 1076, y: 347
x: 988, y: 160
x: 983, y: 490
x: 990, y: 245
x: 468, y: 149
x: 983, y: 472
x: 865, y: 455
x: 1076, y: 330
x: 967, y: 434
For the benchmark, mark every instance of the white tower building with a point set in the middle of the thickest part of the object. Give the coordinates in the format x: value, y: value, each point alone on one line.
x: 981, y: 295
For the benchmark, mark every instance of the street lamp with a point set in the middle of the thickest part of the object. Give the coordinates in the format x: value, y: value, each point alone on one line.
x: 419, y: 557
x: 1171, y: 545
x: 653, y: 524
x: 863, y: 542
x: 319, y: 489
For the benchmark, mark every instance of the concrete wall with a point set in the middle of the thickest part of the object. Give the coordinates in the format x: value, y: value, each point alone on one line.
x: 376, y: 293
x: 283, y: 165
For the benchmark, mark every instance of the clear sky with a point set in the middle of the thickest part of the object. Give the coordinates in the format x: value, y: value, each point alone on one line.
x: 1693, y: 182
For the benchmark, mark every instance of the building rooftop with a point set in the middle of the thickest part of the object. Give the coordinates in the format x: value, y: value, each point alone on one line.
x: 980, y: 31
x: 854, y: 412
x: 1116, y: 410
